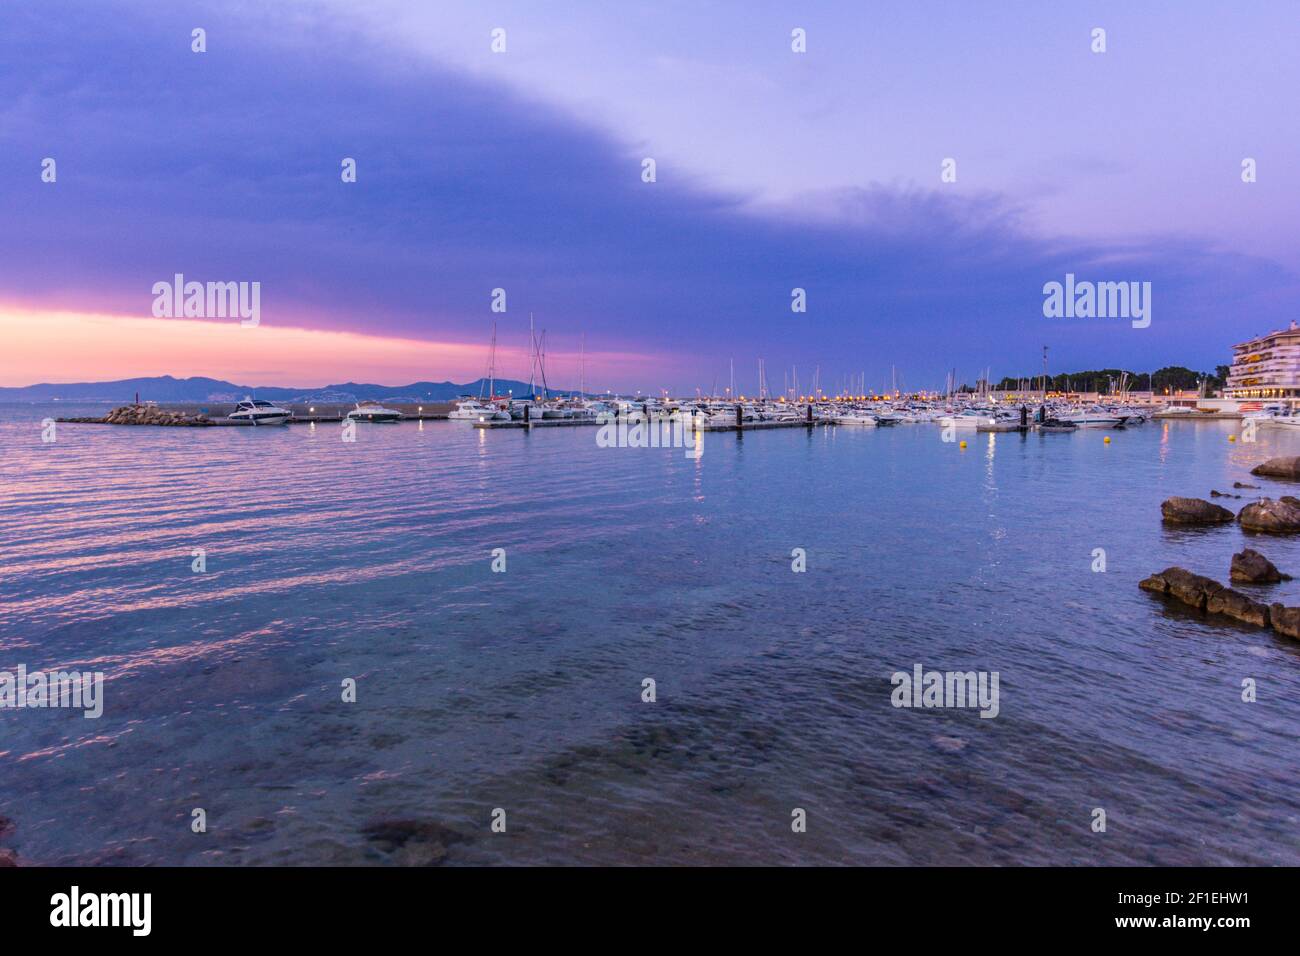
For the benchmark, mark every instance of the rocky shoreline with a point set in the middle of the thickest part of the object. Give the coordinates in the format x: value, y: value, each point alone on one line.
x: 1262, y: 516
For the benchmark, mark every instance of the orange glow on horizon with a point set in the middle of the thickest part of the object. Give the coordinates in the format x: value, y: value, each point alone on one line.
x: 59, y: 346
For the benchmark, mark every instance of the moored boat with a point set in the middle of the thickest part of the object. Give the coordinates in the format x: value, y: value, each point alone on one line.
x: 257, y: 412
x: 373, y: 412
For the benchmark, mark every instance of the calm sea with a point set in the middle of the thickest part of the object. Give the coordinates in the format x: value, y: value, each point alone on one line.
x: 372, y: 561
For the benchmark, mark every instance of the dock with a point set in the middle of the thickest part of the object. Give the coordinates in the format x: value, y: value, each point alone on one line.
x: 303, y: 413
x: 537, y: 423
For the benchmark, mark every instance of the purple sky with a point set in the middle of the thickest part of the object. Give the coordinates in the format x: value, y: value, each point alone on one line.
x: 775, y: 170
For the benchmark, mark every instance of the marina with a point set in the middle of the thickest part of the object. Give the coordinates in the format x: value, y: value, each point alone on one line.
x: 708, y: 415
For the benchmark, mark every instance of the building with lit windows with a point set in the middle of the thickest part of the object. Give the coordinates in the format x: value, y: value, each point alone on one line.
x: 1266, y: 367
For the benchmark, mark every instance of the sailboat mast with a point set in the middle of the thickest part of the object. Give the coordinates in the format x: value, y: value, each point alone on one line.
x: 532, y: 359
x: 541, y: 364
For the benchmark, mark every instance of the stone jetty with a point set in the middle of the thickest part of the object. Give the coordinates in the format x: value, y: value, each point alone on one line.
x: 144, y: 415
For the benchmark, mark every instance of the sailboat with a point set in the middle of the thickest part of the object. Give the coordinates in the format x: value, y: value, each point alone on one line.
x: 472, y: 410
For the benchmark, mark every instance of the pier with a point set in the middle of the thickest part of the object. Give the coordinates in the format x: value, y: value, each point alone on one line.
x: 303, y: 413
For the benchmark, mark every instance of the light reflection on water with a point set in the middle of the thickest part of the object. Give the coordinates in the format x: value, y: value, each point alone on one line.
x: 522, y: 690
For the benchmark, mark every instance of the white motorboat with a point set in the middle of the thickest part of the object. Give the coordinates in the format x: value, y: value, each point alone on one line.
x: 856, y: 418
x: 970, y: 418
x: 472, y: 410
x: 1269, y: 414
x: 373, y: 412
x: 1273, y: 415
x: 259, y: 412
x: 1092, y: 418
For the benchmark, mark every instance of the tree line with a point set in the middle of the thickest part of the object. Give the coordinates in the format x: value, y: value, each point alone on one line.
x: 1172, y: 377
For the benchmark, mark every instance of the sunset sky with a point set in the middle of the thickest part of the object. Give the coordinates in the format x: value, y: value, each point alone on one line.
x: 522, y: 170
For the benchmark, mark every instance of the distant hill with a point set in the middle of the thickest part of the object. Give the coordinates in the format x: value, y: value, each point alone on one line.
x: 168, y: 389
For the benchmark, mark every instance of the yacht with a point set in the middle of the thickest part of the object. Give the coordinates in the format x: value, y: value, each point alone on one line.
x: 1092, y: 418
x: 472, y: 410
x: 373, y: 412
x: 1277, y: 413
x: 1056, y: 425
x: 259, y: 412
x: 970, y: 418
x: 856, y: 418
x: 780, y: 413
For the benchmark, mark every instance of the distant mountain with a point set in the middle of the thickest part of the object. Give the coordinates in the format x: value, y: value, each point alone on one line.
x: 168, y: 389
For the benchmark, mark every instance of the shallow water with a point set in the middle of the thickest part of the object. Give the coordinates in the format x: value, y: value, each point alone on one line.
x: 522, y: 690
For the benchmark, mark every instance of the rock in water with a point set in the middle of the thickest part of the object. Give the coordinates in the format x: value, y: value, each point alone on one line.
x: 1251, y: 567
x: 1242, y: 484
x: 1193, y: 511
x: 1236, y: 605
x: 1279, y: 468
x: 1285, y: 620
x: 1206, y: 594
x: 1270, y: 517
x: 1155, y: 583
x: 1192, y: 589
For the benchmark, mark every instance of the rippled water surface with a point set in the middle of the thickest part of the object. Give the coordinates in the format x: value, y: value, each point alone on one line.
x: 522, y: 690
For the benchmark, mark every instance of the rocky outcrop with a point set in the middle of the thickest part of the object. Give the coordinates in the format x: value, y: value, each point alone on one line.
x: 1222, y: 494
x: 1279, y: 468
x: 1193, y: 511
x: 1270, y: 517
x: 1206, y: 594
x: 1234, y: 604
x: 1192, y: 589
x: 152, y: 415
x: 1242, y: 484
x: 1285, y: 620
x: 1251, y: 567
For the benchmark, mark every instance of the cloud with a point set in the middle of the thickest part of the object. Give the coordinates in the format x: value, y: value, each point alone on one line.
x: 225, y: 166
